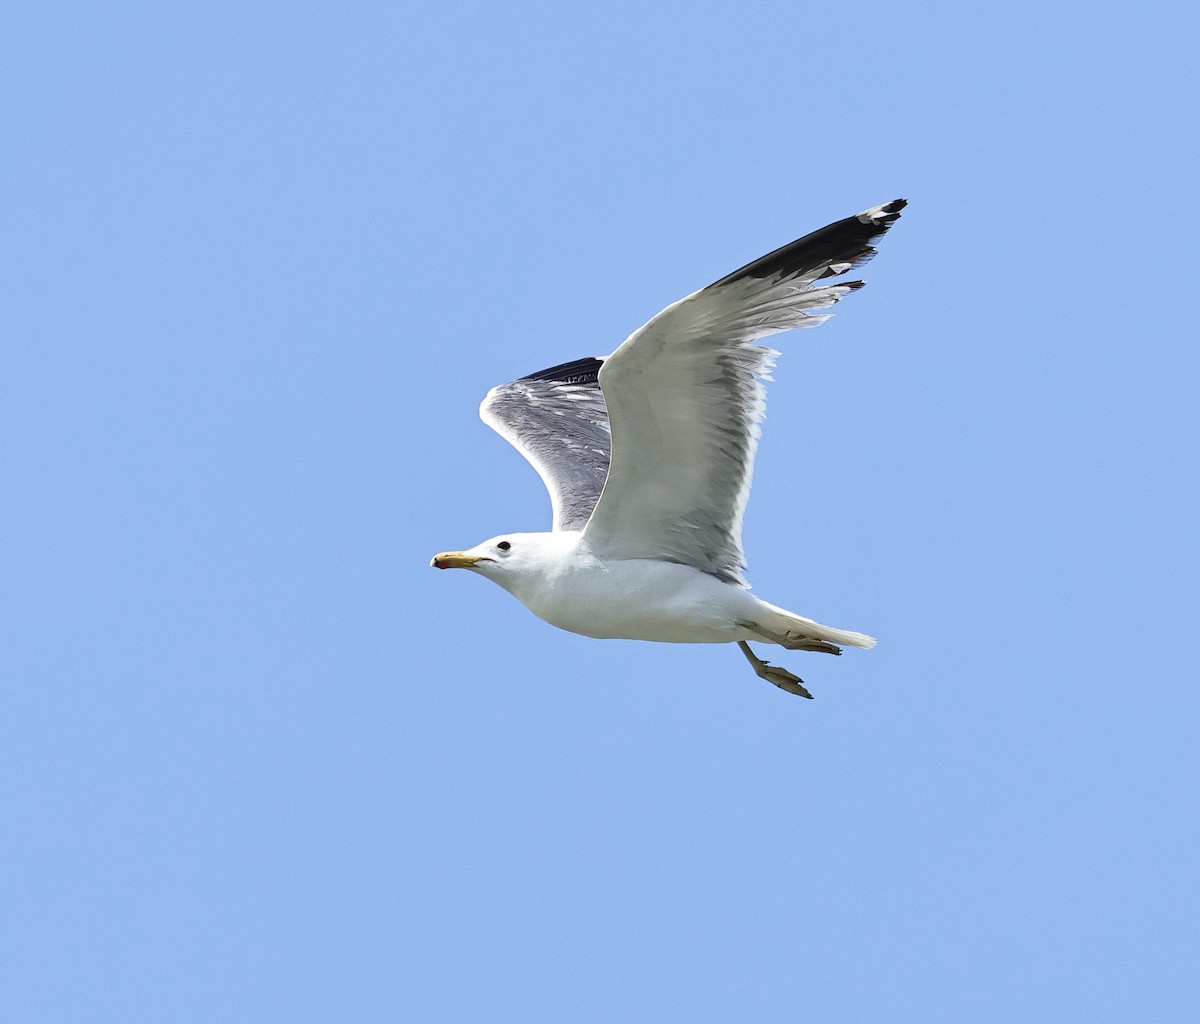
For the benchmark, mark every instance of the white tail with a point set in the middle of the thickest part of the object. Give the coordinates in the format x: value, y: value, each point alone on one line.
x: 789, y: 622
x: 841, y: 636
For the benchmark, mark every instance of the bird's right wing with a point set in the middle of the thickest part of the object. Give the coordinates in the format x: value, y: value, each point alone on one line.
x: 557, y: 419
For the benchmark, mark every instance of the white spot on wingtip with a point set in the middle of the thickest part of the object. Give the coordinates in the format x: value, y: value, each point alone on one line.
x: 885, y: 213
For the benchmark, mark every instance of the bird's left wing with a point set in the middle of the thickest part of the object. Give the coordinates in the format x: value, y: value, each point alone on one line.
x: 685, y: 399
x: 557, y: 419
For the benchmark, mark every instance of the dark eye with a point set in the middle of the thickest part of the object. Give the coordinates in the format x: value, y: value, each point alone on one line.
x: 504, y: 545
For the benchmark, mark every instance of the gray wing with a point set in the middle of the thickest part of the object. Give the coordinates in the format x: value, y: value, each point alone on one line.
x: 686, y: 400
x: 558, y: 420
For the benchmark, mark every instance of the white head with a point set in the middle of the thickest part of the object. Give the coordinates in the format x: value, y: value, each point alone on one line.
x: 511, y: 559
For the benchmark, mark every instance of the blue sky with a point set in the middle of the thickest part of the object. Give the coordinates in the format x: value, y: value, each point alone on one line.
x: 260, y: 763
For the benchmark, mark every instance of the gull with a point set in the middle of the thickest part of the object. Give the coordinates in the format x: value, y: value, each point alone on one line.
x: 648, y: 453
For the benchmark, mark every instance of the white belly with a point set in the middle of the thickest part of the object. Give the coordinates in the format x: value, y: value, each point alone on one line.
x: 643, y: 600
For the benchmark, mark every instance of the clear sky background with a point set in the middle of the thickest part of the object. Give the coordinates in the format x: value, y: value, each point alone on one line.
x: 261, y: 763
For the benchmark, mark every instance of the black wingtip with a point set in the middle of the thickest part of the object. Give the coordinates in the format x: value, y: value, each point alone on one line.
x: 578, y: 371
x: 842, y: 245
x: 883, y: 216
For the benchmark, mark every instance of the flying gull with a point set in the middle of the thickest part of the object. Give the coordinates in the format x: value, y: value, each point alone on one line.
x: 648, y: 453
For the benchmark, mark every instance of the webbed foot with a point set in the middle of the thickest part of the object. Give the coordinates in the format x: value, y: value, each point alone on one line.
x: 774, y: 674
